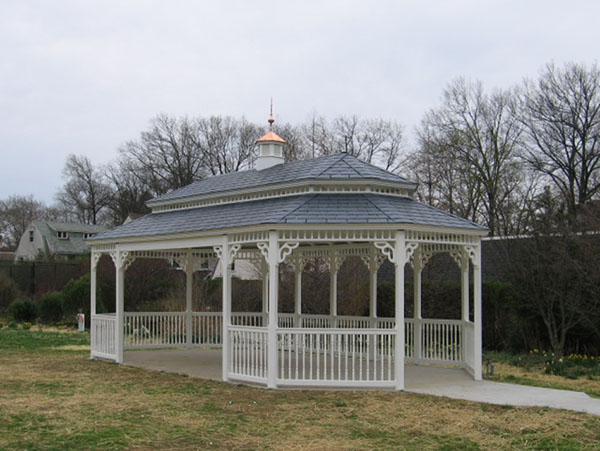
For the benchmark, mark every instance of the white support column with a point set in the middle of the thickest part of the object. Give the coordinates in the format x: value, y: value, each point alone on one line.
x: 333, y: 270
x: 464, y: 285
x: 273, y: 257
x: 120, y: 304
x: 189, y: 281
x: 94, y: 257
x: 477, y: 313
x: 265, y: 287
x: 226, y: 274
x: 399, y: 261
x: 464, y: 293
x: 298, y: 294
x: 373, y: 284
x: 417, y: 313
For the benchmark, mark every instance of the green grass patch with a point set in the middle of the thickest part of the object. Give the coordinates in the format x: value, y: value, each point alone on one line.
x: 19, y: 339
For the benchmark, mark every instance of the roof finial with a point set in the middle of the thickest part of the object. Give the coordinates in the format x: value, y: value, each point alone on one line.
x: 271, y: 118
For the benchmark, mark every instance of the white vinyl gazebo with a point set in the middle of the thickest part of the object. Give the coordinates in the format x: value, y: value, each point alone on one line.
x: 329, y: 208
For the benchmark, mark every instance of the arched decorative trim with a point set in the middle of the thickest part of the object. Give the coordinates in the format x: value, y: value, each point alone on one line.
x: 122, y: 259
x: 264, y: 250
x: 386, y: 249
x: 286, y: 249
x: 95, y: 258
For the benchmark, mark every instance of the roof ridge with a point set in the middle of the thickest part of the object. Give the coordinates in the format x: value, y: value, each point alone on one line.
x: 308, y: 199
x: 378, y: 207
x: 331, y: 165
x: 343, y: 160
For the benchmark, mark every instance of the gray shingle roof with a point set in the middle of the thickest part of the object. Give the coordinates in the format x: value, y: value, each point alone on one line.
x: 303, y: 209
x: 75, y: 244
x: 340, y: 166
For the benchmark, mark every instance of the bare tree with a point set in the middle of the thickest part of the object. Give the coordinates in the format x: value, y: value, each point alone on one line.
x: 444, y: 180
x: 561, y: 113
x: 554, y: 271
x: 482, y: 135
x: 16, y: 213
x: 167, y: 156
x: 129, y: 193
x: 225, y: 144
x: 85, y: 192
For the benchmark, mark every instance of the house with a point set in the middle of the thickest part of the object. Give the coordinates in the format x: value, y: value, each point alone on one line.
x: 54, y: 238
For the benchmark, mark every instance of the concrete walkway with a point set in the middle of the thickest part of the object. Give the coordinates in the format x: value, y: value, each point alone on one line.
x: 430, y: 380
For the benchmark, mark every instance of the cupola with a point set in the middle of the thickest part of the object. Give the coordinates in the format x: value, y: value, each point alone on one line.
x: 270, y: 147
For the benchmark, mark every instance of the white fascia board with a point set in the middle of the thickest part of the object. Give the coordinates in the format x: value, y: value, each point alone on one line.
x: 288, y: 185
x: 215, y: 237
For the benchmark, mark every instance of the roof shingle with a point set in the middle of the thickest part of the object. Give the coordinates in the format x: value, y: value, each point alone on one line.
x: 302, y: 209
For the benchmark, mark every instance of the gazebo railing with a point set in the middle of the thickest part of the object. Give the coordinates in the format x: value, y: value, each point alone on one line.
x: 103, y: 336
x: 441, y: 341
x: 248, y: 353
x: 336, y: 357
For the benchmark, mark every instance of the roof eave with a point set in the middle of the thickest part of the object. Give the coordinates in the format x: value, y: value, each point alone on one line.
x: 289, y: 226
x: 410, y: 186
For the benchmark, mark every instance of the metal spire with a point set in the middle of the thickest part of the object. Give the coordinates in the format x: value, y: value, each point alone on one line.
x: 271, y: 118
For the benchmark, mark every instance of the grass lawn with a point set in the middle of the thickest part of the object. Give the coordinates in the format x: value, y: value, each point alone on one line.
x: 530, y: 371
x: 52, y: 397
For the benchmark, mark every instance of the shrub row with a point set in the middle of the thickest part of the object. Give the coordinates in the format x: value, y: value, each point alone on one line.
x: 56, y: 306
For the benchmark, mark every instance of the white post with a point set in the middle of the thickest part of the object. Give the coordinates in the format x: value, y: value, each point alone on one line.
x: 464, y: 285
x: 272, y: 366
x: 120, y: 304
x: 265, y: 287
x: 189, y: 281
x: 417, y: 314
x: 226, y: 273
x: 399, y: 261
x: 464, y: 292
x: 93, y: 265
x: 298, y: 294
x: 373, y: 285
x: 333, y: 269
x: 477, y: 313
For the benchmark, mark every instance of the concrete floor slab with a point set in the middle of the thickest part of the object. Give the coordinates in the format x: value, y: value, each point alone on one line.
x: 426, y: 379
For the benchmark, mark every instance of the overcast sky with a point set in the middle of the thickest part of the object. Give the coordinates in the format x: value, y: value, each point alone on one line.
x: 84, y: 76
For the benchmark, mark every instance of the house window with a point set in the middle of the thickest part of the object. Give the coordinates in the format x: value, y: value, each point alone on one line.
x: 63, y: 236
x: 88, y: 235
x: 31, y: 236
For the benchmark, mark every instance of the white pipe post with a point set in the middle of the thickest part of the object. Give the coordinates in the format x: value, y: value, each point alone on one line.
x: 477, y: 313
x: 226, y: 274
x: 189, y: 281
x: 265, y: 287
x: 417, y: 314
x: 93, y: 281
x: 298, y: 294
x: 373, y: 285
x: 120, y: 307
x: 399, y: 261
x: 333, y: 269
x: 272, y: 366
x: 464, y: 291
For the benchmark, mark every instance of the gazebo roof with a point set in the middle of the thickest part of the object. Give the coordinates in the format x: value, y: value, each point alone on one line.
x: 340, y: 166
x: 303, y: 209
x: 361, y: 194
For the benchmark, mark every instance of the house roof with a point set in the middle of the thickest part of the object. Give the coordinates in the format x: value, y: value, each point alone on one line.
x: 75, y: 245
x: 340, y: 166
x: 301, y: 209
x: 69, y: 227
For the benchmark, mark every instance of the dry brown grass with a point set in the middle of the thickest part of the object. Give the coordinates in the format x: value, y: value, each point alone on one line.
x: 59, y: 399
